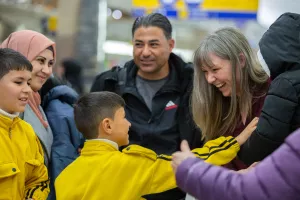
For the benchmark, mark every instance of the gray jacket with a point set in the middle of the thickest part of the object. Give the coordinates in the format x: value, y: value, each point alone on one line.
x: 44, y: 134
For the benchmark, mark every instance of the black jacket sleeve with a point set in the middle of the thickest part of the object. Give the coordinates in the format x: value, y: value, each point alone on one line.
x: 275, y: 122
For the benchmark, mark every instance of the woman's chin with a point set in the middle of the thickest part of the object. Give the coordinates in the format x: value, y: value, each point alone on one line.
x: 36, y: 87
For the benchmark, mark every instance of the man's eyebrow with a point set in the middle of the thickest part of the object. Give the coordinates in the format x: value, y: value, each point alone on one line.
x: 155, y: 40
x: 138, y: 40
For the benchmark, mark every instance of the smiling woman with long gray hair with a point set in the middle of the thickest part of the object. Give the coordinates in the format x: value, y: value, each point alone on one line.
x: 229, y: 86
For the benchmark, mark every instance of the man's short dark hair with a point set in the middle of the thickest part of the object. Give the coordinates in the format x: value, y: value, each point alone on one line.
x: 92, y: 108
x: 154, y: 19
x: 12, y: 60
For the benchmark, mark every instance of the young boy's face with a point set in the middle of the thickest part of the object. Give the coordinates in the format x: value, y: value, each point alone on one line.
x: 120, y: 128
x: 15, y: 89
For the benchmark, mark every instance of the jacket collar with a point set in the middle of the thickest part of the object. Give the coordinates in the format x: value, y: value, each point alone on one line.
x: 7, y: 122
x: 2, y: 112
x: 114, y: 144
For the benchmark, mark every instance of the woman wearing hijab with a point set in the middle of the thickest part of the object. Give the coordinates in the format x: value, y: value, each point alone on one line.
x: 41, y: 52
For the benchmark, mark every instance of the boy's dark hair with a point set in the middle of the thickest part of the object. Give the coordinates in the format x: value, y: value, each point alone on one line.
x: 12, y: 60
x: 154, y: 19
x: 92, y: 108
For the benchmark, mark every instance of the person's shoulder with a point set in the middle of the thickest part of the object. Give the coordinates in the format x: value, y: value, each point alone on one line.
x: 25, y: 125
x: 189, y: 68
x: 27, y: 129
x: 186, y: 68
x: 139, y: 151
x: 109, y: 75
x: 113, y: 71
x: 286, y: 84
x: 99, y: 81
x: 292, y: 76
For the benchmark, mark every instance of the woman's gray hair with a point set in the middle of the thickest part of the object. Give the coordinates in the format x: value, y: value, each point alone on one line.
x: 215, y: 114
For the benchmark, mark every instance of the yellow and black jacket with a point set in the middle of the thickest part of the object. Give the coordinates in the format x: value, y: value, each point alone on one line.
x: 102, y: 172
x: 23, y: 174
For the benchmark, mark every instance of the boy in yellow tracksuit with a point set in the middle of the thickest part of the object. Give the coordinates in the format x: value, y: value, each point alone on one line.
x: 102, y: 172
x: 23, y: 174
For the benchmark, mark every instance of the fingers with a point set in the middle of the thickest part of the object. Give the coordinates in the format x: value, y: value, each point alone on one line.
x: 253, y: 165
x: 175, y: 160
x: 253, y: 122
x: 251, y: 126
x: 174, y: 166
x: 246, y: 133
x: 250, y: 130
x: 243, y: 171
x: 184, y: 146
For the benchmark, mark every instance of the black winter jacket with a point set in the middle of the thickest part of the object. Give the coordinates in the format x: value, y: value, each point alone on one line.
x: 280, y: 116
x: 163, y: 128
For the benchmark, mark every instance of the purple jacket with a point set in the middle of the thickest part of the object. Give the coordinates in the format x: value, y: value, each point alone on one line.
x: 277, y: 177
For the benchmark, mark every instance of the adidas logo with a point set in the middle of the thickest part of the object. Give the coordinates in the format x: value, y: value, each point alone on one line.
x: 170, y: 105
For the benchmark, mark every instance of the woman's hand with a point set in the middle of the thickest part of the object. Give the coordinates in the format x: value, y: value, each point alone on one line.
x: 243, y: 136
x: 180, y: 156
x: 244, y: 171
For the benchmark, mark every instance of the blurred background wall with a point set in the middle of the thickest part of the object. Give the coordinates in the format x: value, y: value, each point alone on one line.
x: 98, y: 32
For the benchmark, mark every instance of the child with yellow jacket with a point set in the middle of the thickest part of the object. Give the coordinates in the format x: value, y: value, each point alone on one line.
x: 103, y: 172
x: 23, y: 174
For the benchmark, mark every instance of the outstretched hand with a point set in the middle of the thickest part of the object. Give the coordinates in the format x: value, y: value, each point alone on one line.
x: 243, y: 136
x: 180, y: 156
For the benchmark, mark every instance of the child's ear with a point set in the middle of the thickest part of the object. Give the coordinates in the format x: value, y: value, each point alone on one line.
x: 106, y: 126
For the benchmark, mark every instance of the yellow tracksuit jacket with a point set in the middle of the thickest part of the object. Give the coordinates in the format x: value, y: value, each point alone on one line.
x: 102, y: 172
x: 23, y: 174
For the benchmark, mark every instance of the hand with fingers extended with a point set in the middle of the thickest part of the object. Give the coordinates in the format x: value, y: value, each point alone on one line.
x: 180, y: 156
x: 243, y: 136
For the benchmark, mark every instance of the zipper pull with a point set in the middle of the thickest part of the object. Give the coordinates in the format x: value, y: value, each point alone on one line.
x: 150, y: 120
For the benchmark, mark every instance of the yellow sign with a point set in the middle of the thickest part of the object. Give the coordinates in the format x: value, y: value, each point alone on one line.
x: 155, y: 4
x: 152, y: 4
x: 232, y: 5
x: 217, y: 5
x: 52, y: 23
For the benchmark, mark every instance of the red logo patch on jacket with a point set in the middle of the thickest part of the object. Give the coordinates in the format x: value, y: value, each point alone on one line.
x: 171, y: 105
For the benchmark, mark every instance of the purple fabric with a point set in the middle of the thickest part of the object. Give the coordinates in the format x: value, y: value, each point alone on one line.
x: 277, y: 177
